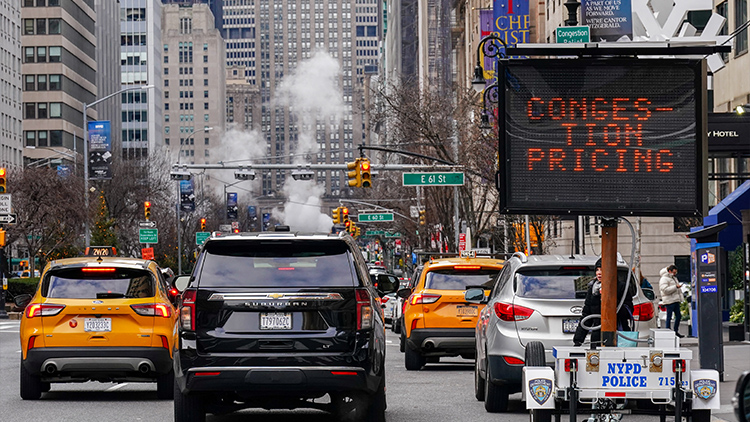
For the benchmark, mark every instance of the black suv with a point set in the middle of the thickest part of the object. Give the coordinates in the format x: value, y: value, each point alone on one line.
x: 280, y: 320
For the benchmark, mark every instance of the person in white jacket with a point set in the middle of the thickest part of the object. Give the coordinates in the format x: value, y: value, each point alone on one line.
x: 671, y: 296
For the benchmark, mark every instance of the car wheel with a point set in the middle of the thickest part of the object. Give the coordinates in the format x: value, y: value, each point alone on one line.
x: 402, y: 342
x: 703, y: 415
x: 413, y: 360
x: 396, y: 326
x: 188, y: 408
x: 376, y: 410
x: 495, y: 396
x: 31, y: 386
x: 478, y: 383
x: 165, y: 386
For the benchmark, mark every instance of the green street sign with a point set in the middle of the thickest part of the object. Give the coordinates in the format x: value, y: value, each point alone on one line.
x: 571, y: 34
x: 397, y: 234
x: 375, y: 233
x: 433, y: 179
x: 148, y: 236
x: 200, y: 237
x: 384, y: 216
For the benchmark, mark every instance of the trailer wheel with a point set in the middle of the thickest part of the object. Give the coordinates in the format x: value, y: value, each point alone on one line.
x: 535, y: 354
x: 540, y: 415
x: 703, y: 415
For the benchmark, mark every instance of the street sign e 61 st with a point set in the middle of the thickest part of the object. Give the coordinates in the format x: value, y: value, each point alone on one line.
x: 148, y: 236
x: 374, y: 217
x: 433, y: 179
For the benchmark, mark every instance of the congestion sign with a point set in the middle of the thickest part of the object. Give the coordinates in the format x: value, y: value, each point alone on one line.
x: 603, y: 137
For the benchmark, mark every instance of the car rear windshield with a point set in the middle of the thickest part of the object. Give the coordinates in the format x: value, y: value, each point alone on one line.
x: 560, y: 283
x: 98, y: 283
x: 277, y: 263
x: 452, y: 279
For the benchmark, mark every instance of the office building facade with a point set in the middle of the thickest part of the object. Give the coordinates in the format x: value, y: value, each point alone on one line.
x: 10, y: 84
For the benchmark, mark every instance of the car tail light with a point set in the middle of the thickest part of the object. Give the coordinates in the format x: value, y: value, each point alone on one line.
x: 467, y: 267
x: 510, y: 360
x: 164, y: 342
x: 423, y: 298
x: 43, y: 310
x: 187, y: 311
x: 364, y: 309
x: 98, y: 270
x: 643, y: 311
x: 153, y: 309
x: 509, y: 312
x: 32, y: 340
x: 571, y: 365
x: 678, y: 365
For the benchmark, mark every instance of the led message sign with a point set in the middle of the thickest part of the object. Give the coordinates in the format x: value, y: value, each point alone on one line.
x: 603, y: 137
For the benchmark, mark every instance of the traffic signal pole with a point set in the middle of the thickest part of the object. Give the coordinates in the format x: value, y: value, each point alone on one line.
x: 609, y: 282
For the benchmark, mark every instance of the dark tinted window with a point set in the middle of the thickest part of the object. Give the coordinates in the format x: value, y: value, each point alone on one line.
x: 293, y: 263
x: 451, y: 279
x: 98, y: 283
x: 561, y: 283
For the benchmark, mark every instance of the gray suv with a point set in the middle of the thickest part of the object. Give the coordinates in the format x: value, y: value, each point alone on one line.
x: 535, y: 298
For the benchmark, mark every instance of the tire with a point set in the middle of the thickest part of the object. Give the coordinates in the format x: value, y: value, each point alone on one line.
x: 534, y: 355
x: 165, y: 386
x: 402, y: 341
x: 188, y: 408
x: 540, y: 415
x: 396, y: 326
x: 376, y: 409
x: 703, y: 415
x: 30, y: 385
x: 478, y: 383
x: 495, y: 396
x: 413, y: 361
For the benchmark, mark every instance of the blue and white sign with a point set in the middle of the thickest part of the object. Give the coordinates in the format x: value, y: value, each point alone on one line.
x: 100, y: 150
x: 709, y: 289
x: 541, y: 389
x: 187, y: 196
x: 231, y: 205
x: 704, y: 388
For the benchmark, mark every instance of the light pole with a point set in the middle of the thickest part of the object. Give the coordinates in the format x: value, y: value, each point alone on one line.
x: 86, y: 150
x: 179, y: 199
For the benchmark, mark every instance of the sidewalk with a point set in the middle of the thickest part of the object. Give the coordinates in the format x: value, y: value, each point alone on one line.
x: 736, y: 361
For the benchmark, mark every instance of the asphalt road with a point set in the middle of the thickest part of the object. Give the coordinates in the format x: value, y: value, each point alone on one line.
x: 439, y: 392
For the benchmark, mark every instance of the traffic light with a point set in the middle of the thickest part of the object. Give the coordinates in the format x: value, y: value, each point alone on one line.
x: 2, y: 238
x: 364, y: 171
x: 355, y: 177
x: 356, y: 232
x: 147, y: 210
x: 336, y: 215
x: 203, y: 224
x: 347, y: 225
x: 3, y: 180
x: 422, y: 217
x: 345, y: 215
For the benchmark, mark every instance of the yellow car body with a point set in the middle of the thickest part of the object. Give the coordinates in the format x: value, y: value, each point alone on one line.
x: 438, y: 320
x: 104, y: 319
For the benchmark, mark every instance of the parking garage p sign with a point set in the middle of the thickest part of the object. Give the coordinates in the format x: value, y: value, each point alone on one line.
x: 603, y: 137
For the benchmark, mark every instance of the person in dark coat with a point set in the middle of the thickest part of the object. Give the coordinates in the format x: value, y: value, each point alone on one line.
x: 593, y: 306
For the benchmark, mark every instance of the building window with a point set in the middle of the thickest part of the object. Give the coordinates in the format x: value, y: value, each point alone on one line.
x: 29, y: 54
x: 41, y: 82
x: 205, y: 82
x: 41, y: 110
x: 30, y: 112
x: 166, y: 59
x: 166, y: 71
x: 166, y: 83
x: 205, y: 46
x: 55, y: 110
x: 205, y: 117
x: 205, y: 106
x: 41, y: 26
x: 166, y: 117
x: 186, y: 25
x: 30, y: 138
x: 54, y: 54
x: 205, y: 59
x: 41, y: 137
x: 166, y: 106
x: 54, y: 83
x: 205, y: 141
x: 54, y: 26
x: 166, y: 129
x: 30, y: 83
x: 205, y: 71
x: 28, y: 27
x: 740, y: 16
x: 41, y: 54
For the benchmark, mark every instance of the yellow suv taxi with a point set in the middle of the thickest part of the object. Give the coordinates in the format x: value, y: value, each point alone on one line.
x: 98, y: 319
x: 438, y: 320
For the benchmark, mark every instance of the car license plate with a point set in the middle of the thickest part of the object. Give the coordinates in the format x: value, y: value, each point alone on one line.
x: 276, y: 321
x: 570, y: 325
x: 470, y: 311
x: 97, y: 324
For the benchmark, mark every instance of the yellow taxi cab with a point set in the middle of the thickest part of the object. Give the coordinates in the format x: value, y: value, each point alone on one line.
x: 98, y: 319
x: 438, y: 318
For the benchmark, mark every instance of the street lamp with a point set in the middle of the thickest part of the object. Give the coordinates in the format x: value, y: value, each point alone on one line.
x: 491, y: 93
x: 86, y: 150
x: 176, y: 174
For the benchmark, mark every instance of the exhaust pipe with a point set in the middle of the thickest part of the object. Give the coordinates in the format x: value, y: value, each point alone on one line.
x: 51, y: 368
x: 144, y: 368
x: 429, y: 345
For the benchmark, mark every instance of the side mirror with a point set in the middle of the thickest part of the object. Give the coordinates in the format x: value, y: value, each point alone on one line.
x: 22, y: 300
x: 404, y: 293
x: 386, y: 284
x: 741, y: 399
x: 181, y: 282
x: 474, y: 295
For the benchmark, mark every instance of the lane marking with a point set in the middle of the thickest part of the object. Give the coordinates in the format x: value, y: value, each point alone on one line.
x: 116, y: 387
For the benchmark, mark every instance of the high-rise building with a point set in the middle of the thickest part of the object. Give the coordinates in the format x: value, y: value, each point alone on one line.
x: 214, y: 5
x: 194, y: 82
x: 241, y: 97
x: 59, y: 73
x: 10, y: 78
x: 141, y: 64
x: 108, y: 68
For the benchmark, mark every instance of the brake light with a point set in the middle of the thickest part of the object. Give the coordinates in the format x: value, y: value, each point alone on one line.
x: 509, y: 312
x: 164, y: 342
x: 510, y: 360
x: 643, y: 311
x: 173, y: 292
x: 207, y: 374
x: 571, y: 365
x: 364, y: 309
x: 467, y: 267
x: 678, y: 365
x: 32, y: 340
x: 343, y: 373
x: 98, y: 270
x: 153, y: 309
x: 423, y: 298
x: 286, y: 269
x: 43, y: 310
x: 187, y: 311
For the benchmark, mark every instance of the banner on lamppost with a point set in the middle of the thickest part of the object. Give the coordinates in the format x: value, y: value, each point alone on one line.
x: 512, y: 21
x: 252, y: 216
x: 100, y: 150
x: 231, y: 205
x: 187, y: 196
x: 609, y: 20
x: 266, y: 220
x: 486, y: 26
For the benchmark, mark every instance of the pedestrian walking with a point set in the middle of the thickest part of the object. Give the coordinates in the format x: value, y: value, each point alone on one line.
x: 671, y: 296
